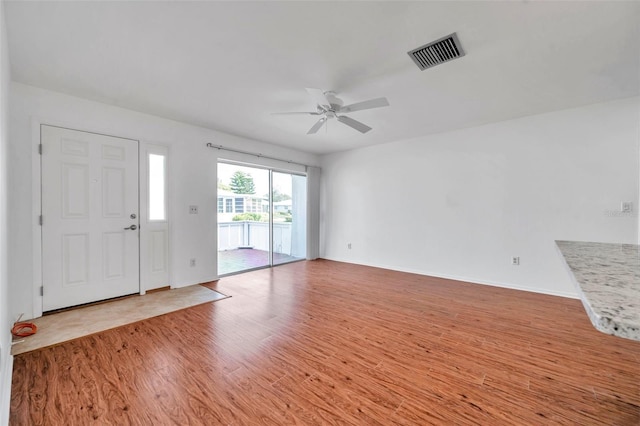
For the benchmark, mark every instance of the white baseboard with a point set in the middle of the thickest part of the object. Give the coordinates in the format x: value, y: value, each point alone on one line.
x: 570, y: 295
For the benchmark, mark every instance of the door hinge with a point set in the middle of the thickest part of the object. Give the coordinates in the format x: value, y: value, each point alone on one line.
x: 40, y: 149
x: 41, y: 290
x: 40, y: 220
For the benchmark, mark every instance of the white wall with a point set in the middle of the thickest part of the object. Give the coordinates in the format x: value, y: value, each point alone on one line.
x: 6, y: 319
x: 460, y: 204
x: 192, y: 168
x: 636, y: 207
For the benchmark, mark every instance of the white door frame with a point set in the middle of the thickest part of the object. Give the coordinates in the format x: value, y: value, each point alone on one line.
x: 36, y: 200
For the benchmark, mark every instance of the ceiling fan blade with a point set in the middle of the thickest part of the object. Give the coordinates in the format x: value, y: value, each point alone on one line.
x: 316, y: 126
x: 297, y: 113
x: 372, y: 103
x: 362, y: 128
x: 320, y: 98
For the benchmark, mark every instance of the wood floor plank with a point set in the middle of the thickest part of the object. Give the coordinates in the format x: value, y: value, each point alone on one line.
x: 321, y: 342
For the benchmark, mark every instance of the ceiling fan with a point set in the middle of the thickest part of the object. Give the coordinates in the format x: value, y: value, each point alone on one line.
x: 328, y: 106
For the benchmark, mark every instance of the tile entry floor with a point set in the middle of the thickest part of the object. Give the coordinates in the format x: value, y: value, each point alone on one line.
x: 83, y: 321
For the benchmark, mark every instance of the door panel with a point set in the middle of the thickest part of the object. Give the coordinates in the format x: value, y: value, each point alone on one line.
x: 75, y: 191
x: 89, y: 192
x: 158, y: 251
x: 75, y: 258
x: 113, y: 192
x: 289, y: 217
x: 154, y: 260
x: 113, y: 252
x: 243, y: 218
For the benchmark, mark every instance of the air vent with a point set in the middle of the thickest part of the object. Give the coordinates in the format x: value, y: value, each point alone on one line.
x: 437, y: 52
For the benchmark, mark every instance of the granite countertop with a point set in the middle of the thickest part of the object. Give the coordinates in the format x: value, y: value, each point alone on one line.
x: 608, y: 281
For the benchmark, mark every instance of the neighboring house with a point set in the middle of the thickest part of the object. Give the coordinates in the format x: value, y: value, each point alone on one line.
x: 231, y: 204
x: 282, y: 206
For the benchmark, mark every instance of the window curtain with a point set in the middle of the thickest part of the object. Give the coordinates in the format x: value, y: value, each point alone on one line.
x: 313, y: 212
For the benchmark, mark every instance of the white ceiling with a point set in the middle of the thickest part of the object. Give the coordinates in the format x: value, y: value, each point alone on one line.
x: 228, y: 65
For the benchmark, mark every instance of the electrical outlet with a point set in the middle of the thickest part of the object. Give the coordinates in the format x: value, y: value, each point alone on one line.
x: 515, y: 260
x: 626, y: 207
x: 192, y: 263
x: 349, y: 246
x: 193, y: 209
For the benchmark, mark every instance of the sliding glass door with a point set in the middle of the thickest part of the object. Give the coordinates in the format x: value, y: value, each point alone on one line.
x: 289, y: 230
x: 261, y: 217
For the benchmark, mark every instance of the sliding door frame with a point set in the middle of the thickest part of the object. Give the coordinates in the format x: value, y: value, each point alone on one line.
x: 271, y: 170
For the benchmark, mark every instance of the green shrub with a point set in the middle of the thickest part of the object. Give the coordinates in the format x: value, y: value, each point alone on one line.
x: 247, y: 216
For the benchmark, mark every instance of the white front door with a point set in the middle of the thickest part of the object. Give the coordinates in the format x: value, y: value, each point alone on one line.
x: 90, y: 237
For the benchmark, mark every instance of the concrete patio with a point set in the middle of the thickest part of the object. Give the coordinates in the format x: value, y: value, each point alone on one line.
x: 231, y: 261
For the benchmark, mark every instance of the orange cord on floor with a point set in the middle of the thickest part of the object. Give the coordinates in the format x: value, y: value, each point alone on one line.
x: 23, y: 329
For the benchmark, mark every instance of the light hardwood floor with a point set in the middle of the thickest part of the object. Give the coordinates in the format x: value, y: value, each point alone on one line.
x: 332, y: 343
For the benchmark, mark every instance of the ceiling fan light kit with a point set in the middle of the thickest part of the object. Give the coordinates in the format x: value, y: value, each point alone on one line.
x: 329, y: 106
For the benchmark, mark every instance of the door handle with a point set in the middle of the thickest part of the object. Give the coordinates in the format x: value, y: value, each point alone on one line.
x: 132, y: 228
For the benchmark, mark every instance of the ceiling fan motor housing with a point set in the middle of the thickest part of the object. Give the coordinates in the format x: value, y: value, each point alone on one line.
x: 328, y: 106
x: 334, y: 101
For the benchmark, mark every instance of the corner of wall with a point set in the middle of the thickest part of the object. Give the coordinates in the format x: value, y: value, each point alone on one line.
x: 637, y: 208
x: 6, y: 360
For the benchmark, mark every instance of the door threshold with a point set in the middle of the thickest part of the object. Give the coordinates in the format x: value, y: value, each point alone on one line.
x: 83, y: 305
x: 155, y: 290
x: 228, y: 274
x: 259, y: 268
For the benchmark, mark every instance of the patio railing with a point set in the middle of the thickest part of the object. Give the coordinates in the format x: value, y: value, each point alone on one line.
x: 234, y: 235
